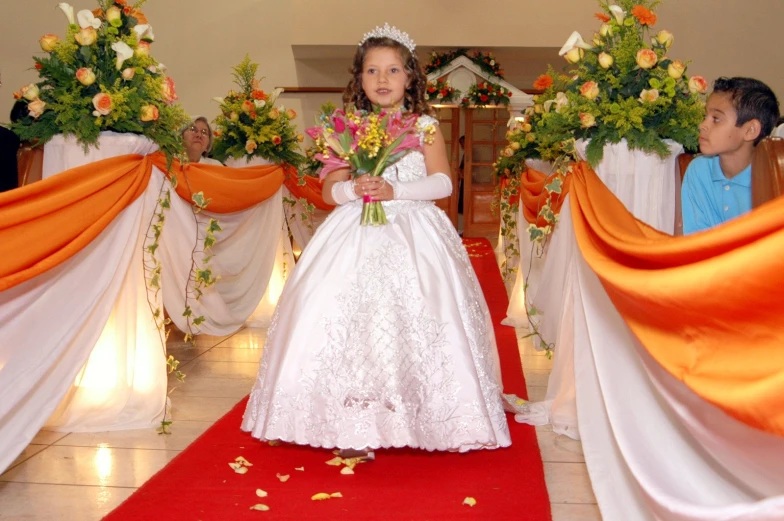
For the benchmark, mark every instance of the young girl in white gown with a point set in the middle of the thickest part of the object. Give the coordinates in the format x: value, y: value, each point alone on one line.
x: 382, y: 337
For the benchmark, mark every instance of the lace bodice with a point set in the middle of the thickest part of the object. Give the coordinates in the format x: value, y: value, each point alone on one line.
x: 412, y: 166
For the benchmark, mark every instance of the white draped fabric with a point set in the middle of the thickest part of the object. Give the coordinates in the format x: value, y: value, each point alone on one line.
x: 653, y: 448
x: 243, y: 257
x: 645, y: 183
x: 81, y: 335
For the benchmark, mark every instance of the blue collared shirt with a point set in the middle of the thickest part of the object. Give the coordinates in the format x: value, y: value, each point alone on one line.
x: 708, y: 198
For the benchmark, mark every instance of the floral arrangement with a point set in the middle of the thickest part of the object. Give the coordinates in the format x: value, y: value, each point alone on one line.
x: 366, y: 143
x: 250, y: 125
x: 439, y: 59
x: 101, y: 76
x: 486, y: 62
x: 440, y: 91
x: 486, y: 93
x: 626, y: 86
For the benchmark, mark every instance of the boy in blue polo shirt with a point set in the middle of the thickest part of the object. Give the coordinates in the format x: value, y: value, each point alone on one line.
x: 739, y: 114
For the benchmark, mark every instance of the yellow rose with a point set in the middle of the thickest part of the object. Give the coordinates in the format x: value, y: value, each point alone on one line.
x: 597, y: 40
x: 538, y: 108
x: 250, y: 146
x: 530, y: 137
x: 274, y: 114
x: 697, y: 84
x: 114, y: 16
x: 36, y: 108
x: 515, y: 146
x: 149, y: 113
x: 85, y: 76
x: 300, y: 138
x: 646, y: 58
x: 527, y: 127
x: 291, y: 114
x: 49, y: 42
x: 30, y: 92
x: 606, y: 30
x: 649, y: 96
x: 664, y: 38
x: 234, y: 116
x: 128, y: 73
x: 676, y: 69
x: 589, y: 90
x: 86, y: 36
x: 606, y: 60
x: 508, y: 152
x: 574, y: 55
x: 587, y: 120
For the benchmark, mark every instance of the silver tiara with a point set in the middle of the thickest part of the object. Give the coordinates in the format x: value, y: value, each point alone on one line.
x: 392, y: 33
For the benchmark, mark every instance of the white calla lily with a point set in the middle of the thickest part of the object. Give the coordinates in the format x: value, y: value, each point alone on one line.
x: 124, y: 52
x: 618, y: 13
x: 274, y: 96
x: 68, y: 10
x: 219, y: 100
x: 574, y: 41
x: 144, y: 32
x: 259, y: 103
x: 86, y: 19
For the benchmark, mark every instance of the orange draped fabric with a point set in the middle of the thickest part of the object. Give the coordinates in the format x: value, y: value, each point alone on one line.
x: 707, y: 307
x: 532, y: 183
x: 231, y: 189
x: 311, y: 190
x: 45, y: 223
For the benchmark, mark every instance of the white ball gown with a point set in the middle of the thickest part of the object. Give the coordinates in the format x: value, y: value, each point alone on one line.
x: 382, y: 338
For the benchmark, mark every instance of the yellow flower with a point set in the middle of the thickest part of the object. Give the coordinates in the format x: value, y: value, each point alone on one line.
x: 664, y: 38
x: 36, y: 108
x: 590, y: 90
x: 250, y: 146
x: 587, y: 120
x: 646, y: 58
x: 649, y: 96
x: 606, y: 60
x: 49, y: 42
x: 86, y: 36
x: 676, y: 69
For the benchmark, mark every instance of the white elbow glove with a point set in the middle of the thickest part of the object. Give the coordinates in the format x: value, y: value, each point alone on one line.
x: 431, y: 188
x: 343, y: 192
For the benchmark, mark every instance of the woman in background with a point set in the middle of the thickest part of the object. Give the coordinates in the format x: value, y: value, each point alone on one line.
x: 198, y: 141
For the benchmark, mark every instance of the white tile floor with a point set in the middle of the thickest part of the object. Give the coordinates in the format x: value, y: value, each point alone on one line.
x: 82, y: 477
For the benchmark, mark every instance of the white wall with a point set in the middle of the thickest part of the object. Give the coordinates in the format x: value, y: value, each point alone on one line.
x: 199, y: 40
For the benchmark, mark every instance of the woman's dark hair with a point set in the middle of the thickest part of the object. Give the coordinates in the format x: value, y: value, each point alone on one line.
x: 414, y: 98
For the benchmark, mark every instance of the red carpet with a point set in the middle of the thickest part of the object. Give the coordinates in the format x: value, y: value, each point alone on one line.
x: 508, y: 484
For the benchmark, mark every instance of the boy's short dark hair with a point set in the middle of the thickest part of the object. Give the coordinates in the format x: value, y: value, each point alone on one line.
x: 752, y: 99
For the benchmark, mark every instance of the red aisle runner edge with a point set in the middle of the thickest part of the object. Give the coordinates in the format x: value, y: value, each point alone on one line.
x: 406, y: 484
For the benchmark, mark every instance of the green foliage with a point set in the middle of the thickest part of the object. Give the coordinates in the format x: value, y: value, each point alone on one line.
x: 251, y: 126
x: 68, y: 104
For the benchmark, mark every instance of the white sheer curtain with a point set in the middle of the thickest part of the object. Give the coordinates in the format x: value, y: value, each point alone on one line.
x: 243, y: 257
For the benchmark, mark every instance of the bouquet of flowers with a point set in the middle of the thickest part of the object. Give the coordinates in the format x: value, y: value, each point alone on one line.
x: 439, y: 59
x: 250, y: 125
x: 101, y: 76
x: 440, y: 91
x: 366, y: 143
x: 486, y: 93
x: 626, y: 86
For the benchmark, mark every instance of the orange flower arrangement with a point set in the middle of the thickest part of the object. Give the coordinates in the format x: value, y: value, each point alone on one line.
x: 604, y: 18
x: 644, y: 15
x: 543, y: 82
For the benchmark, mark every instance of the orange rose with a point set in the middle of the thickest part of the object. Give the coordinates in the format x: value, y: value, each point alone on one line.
x: 646, y: 58
x: 102, y: 103
x: 85, y: 76
x: 169, y: 94
x: 276, y: 140
x: 644, y: 15
x: 698, y: 85
x: 543, y: 82
x: 248, y: 106
x: 149, y: 113
x: 36, y: 108
x: 291, y: 114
